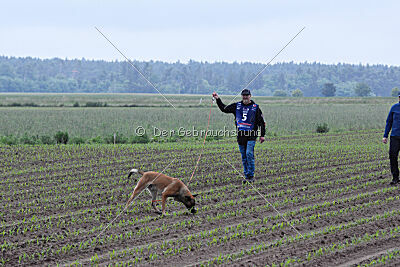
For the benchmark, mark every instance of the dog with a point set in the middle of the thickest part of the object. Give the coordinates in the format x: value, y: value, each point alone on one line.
x: 158, y: 183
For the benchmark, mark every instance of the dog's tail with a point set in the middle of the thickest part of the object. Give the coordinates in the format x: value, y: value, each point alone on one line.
x: 135, y: 171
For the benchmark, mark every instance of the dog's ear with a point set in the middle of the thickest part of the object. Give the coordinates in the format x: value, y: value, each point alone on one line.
x: 195, y: 195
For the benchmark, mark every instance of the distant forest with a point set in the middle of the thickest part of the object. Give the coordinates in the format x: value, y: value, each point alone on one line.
x: 97, y: 76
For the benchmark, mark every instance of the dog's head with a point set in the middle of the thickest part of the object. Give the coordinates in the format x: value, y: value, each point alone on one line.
x: 189, y: 201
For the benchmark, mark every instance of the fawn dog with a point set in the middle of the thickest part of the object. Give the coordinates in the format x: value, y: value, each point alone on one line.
x: 158, y: 183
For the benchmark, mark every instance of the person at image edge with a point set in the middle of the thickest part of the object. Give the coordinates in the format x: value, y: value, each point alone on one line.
x: 393, y: 123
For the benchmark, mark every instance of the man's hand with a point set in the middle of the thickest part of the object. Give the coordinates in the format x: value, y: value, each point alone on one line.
x: 384, y: 140
x: 215, y: 95
x: 262, y: 139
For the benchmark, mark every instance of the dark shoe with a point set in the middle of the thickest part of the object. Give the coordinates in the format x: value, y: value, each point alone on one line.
x: 394, y: 181
x: 248, y: 180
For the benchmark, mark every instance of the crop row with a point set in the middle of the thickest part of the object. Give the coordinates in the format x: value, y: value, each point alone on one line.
x: 231, y: 230
x: 287, y: 196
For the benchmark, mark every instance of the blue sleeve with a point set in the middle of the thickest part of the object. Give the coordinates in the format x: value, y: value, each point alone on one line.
x: 389, y: 122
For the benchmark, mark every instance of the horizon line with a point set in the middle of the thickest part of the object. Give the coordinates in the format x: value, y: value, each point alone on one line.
x: 201, y: 61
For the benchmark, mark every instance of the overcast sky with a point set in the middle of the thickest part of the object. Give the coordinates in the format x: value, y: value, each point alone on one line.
x: 170, y: 30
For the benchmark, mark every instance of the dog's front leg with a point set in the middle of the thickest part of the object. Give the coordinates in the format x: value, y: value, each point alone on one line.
x: 163, y: 201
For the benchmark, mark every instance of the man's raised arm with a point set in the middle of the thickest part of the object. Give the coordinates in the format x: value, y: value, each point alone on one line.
x: 226, y: 109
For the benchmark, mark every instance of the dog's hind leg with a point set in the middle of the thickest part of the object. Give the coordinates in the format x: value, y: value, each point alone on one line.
x: 153, y: 190
x: 138, y: 189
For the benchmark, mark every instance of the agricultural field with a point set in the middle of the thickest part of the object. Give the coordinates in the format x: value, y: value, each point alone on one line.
x: 178, y: 100
x: 331, y: 191
x: 284, y: 116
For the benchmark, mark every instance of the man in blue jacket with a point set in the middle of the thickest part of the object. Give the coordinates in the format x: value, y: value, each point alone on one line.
x: 248, y: 118
x: 393, y: 123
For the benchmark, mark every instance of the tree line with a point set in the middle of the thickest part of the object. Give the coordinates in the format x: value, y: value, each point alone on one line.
x: 57, y: 75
